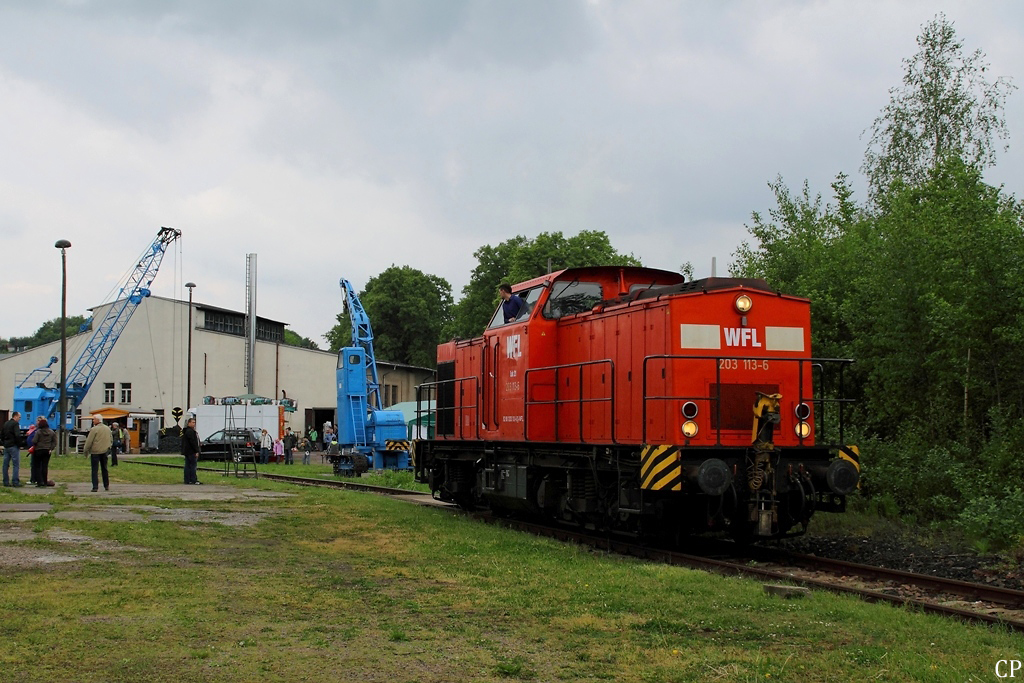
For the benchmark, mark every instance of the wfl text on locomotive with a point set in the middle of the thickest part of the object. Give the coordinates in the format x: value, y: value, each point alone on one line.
x: 628, y: 399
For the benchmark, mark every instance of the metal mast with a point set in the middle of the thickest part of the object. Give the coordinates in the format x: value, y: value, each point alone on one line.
x: 250, y: 323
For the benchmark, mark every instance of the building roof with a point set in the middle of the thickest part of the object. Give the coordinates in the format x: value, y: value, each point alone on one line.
x: 200, y: 306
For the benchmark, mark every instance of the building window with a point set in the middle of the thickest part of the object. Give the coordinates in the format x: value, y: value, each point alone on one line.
x: 225, y: 322
x: 126, y: 392
x: 389, y: 394
x: 235, y: 323
x: 267, y: 331
x: 108, y: 392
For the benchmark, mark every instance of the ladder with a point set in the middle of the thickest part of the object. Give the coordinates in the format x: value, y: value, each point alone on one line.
x: 358, y: 413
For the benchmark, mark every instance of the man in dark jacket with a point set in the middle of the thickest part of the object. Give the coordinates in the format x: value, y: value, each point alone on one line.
x: 43, y: 444
x: 190, y: 449
x: 118, y: 435
x: 10, y: 435
x: 290, y: 443
x: 511, y: 304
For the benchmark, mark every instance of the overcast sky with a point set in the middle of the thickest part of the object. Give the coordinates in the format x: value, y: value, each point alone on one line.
x: 335, y: 139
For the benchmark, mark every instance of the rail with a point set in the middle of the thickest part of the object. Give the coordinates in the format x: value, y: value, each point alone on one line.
x: 450, y: 412
x: 579, y: 401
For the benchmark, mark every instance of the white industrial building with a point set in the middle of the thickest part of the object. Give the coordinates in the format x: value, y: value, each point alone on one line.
x: 147, y: 371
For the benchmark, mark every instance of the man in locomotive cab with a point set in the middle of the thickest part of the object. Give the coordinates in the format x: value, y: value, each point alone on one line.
x: 511, y: 304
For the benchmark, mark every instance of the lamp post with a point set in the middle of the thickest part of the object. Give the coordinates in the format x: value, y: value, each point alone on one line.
x: 188, y: 391
x: 63, y: 245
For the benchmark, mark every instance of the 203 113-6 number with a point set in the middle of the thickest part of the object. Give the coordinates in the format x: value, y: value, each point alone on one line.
x: 748, y: 364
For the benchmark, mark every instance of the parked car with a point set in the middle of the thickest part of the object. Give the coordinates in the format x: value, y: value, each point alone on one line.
x: 239, y: 445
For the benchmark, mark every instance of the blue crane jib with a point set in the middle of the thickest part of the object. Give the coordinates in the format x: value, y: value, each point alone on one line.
x: 362, y: 426
x: 33, y: 393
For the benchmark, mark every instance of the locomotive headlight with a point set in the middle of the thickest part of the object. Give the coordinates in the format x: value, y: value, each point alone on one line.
x: 743, y: 303
x: 689, y: 410
x: 803, y: 411
x: 803, y: 430
x: 689, y: 429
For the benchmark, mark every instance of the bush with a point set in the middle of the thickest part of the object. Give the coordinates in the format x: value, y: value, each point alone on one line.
x: 994, y: 520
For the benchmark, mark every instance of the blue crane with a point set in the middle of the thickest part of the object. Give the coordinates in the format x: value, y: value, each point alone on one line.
x: 33, y: 397
x: 363, y: 427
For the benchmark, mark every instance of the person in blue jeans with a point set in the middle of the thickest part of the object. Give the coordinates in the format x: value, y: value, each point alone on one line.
x: 97, y: 445
x: 10, y: 435
x: 266, y: 445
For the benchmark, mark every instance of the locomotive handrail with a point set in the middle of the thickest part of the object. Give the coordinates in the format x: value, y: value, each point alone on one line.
x: 841, y: 390
x: 458, y: 411
x: 580, y: 400
x: 814, y: 362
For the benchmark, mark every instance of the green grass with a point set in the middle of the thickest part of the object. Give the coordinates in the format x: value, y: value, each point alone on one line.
x: 388, y: 478
x: 341, y: 585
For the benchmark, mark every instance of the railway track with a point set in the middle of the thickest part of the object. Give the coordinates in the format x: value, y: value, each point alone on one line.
x: 309, y: 481
x: 966, y: 590
x: 935, y: 595
x: 970, y: 602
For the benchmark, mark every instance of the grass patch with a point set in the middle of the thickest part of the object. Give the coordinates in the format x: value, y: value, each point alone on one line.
x: 345, y: 585
x: 388, y: 478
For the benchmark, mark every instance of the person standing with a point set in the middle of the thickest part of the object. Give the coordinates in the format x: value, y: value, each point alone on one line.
x: 290, y: 443
x: 42, y: 445
x: 30, y: 437
x: 312, y: 438
x: 97, y: 445
x: 305, y: 450
x: 279, y: 451
x: 190, y: 448
x: 511, y: 304
x: 266, y: 445
x: 120, y: 437
x: 10, y: 435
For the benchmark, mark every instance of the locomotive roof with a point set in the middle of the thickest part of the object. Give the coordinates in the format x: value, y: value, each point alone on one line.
x: 706, y: 285
x: 636, y: 273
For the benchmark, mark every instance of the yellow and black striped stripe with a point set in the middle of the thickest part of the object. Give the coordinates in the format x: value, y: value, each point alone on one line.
x: 851, y: 453
x: 396, y: 445
x: 660, y: 469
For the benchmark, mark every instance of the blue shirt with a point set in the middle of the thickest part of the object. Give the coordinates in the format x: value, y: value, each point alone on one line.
x: 510, y: 309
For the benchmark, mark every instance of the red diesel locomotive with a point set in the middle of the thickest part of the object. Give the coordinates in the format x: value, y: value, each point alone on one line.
x: 631, y: 400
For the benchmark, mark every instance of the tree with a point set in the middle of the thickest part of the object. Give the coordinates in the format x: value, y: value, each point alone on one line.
x: 800, y: 249
x: 409, y: 311
x: 937, y: 323
x: 924, y: 287
x: 946, y: 107
x: 520, y: 258
x: 47, y: 332
x: 292, y: 338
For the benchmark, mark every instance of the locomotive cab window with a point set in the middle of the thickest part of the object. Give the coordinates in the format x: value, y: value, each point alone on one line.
x: 569, y: 298
x: 643, y: 287
x: 529, y: 298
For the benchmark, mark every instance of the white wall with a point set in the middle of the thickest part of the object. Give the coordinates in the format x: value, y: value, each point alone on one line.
x: 151, y: 354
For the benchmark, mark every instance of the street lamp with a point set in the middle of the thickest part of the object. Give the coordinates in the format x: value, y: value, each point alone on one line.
x: 63, y: 245
x: 188, y: 391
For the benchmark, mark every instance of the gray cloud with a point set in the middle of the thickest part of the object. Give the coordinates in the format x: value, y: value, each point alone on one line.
x: 334, y: 139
